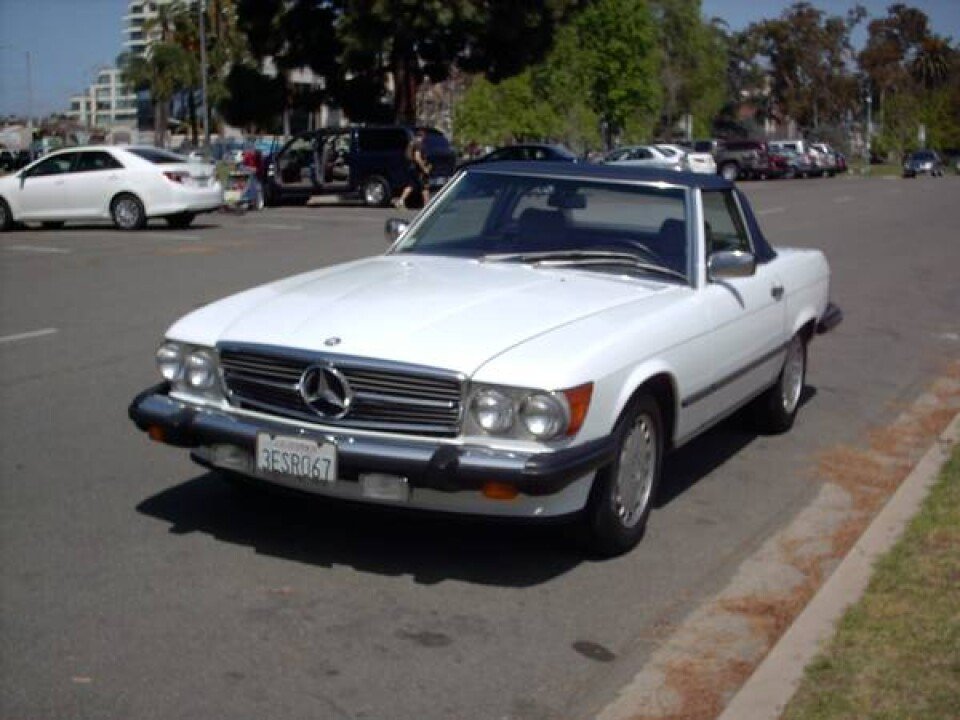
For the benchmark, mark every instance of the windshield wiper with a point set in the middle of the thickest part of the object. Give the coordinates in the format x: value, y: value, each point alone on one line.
x: 560, y: 258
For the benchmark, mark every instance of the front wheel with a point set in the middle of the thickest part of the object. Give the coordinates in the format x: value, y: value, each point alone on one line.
x: 6, y: 217
x: 375, y: 192
x: 776, y: 409
x: 623, y: 491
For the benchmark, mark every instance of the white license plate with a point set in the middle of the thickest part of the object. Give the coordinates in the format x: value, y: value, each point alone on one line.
x: 310, y: 461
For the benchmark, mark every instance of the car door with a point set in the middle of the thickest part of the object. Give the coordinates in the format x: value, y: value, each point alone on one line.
x: 747, y: 314
x: 95, y: 179
x: 42, y: 194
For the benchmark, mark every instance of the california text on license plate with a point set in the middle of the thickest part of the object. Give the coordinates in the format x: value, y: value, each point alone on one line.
x: 310, y: 461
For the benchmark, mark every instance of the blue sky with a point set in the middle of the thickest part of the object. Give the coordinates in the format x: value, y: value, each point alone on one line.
x: 69, y: 39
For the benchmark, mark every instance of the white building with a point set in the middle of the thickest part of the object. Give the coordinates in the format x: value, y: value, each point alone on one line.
x: 139, y: 13
x: 106, y: 104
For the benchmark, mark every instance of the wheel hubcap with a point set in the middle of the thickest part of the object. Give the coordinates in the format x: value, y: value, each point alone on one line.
x: 792, y: 382
x: 638, y: 461
x: 375, y: 193
x: 127, y: 213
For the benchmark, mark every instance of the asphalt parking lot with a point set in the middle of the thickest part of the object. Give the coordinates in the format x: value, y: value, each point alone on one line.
x: 135, y: 584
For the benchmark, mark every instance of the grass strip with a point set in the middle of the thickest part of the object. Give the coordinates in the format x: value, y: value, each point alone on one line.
x: 896, y: 653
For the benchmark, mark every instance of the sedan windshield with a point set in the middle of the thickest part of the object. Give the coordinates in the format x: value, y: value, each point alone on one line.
x: 571, y: 222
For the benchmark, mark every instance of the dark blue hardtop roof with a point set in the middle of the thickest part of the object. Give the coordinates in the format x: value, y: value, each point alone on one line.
x: 605, y: 172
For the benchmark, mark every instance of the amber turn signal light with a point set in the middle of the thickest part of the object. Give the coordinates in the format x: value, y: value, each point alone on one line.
x: 155, y: 432
x: 499, y: 490
x: 578, y: 399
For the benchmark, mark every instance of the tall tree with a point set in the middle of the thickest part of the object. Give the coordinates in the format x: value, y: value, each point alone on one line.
x: 809, y: 55
x: 162, y: 75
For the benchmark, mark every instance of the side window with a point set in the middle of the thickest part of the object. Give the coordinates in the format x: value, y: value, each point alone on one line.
x: 723, y: 225
x: 381, y: 140
x: 641, y: 154
x: 55, y: 165
x: 93, y: 161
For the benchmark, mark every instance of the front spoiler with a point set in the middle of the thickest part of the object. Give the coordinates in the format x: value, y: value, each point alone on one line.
x: 425, y: 463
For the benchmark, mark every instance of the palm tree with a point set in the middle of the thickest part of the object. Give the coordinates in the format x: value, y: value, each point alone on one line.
x: 931, y: 66
x: 162, y: 74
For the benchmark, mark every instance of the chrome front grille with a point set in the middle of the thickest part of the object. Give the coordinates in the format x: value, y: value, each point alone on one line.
x: 386, y: 396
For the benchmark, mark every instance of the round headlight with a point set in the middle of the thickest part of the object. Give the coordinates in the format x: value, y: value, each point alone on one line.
x: 170, y: 361
x: 200, y: 370
x: 544, y: 416
x: 493, y: 411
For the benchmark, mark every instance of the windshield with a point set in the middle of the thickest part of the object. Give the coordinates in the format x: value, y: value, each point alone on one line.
x: 598, y: 225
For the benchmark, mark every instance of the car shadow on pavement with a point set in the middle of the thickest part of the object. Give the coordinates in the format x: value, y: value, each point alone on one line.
x: 429, y: 547
x: 701, y: 456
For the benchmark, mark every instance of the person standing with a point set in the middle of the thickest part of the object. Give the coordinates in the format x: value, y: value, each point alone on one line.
x: 418, y: 169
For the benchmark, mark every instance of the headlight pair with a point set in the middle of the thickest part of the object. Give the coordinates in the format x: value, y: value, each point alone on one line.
x: 192, y: 368
x: 521, y: 412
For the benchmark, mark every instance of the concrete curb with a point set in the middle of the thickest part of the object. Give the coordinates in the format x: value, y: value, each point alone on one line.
x: 770, y: 687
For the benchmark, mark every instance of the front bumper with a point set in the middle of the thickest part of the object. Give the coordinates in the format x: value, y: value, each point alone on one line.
x: 426, y: 463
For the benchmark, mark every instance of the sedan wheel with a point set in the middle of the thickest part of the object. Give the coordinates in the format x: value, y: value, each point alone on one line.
x: 730, y: 171
x: 777, y: 408
x: 623, y: 491
x: 6, y: 219
x: 128, y: 213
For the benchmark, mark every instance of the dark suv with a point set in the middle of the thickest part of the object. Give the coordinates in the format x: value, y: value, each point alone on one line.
x: 367, y: 161
x: 748, y: 159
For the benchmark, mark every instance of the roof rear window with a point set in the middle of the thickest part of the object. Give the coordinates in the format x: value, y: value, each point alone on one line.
x: 157, y: 156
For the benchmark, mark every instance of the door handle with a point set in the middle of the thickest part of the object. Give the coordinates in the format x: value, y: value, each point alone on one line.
x: 777, y: 292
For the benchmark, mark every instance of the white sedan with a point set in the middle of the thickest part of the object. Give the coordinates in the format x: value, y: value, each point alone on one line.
x: 530, y: 346
x: 128, y: 185
x: 649, y: 156
x: 697, y: 162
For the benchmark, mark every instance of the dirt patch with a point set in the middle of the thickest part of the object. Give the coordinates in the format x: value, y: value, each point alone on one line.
x: 699, y: 669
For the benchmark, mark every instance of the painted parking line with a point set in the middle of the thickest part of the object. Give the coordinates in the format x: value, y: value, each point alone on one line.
x: 272, y: 226
x: 28, y: 335
x: 38, y: 249
x: 771, y: 211
x: 169, y: 236
x: 842, y: 199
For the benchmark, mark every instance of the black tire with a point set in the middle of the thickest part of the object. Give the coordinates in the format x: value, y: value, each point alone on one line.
x: 730, y: 171
x: 6, y: 217
x: 776, y: 409
x: 52, y: 225
x: 376, y: 191
x: 127, y: 212
x: 790, y: 174
x: 180, y: 220
x: 611, y: 527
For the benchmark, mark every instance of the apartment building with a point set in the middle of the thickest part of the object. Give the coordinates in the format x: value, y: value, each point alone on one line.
x: 105, y: 104
x: 137, y: 39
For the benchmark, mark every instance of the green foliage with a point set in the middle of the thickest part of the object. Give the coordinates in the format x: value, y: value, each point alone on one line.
x: 693, y: 64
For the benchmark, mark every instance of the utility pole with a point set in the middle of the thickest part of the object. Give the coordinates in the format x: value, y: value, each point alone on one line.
x: 203, y: 74
x: 29, y: 97
x: 869, y: 127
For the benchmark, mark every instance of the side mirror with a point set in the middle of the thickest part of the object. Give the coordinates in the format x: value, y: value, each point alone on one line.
x: 730, y: 264
x: 394, y: 228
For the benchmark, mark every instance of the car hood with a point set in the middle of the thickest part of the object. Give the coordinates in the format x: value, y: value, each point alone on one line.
x: 442, y: 312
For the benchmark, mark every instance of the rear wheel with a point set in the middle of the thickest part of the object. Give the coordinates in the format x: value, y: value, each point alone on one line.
x: 729, y: 171
x: 180, y: 220
x: 776, y: 409
x: 375, y: 191
x: 6, y: 217
x: 127, y: 212
x: 623, y: 491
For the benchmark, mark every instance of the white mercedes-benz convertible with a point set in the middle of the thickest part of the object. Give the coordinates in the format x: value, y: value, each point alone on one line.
x: 530, y: 346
